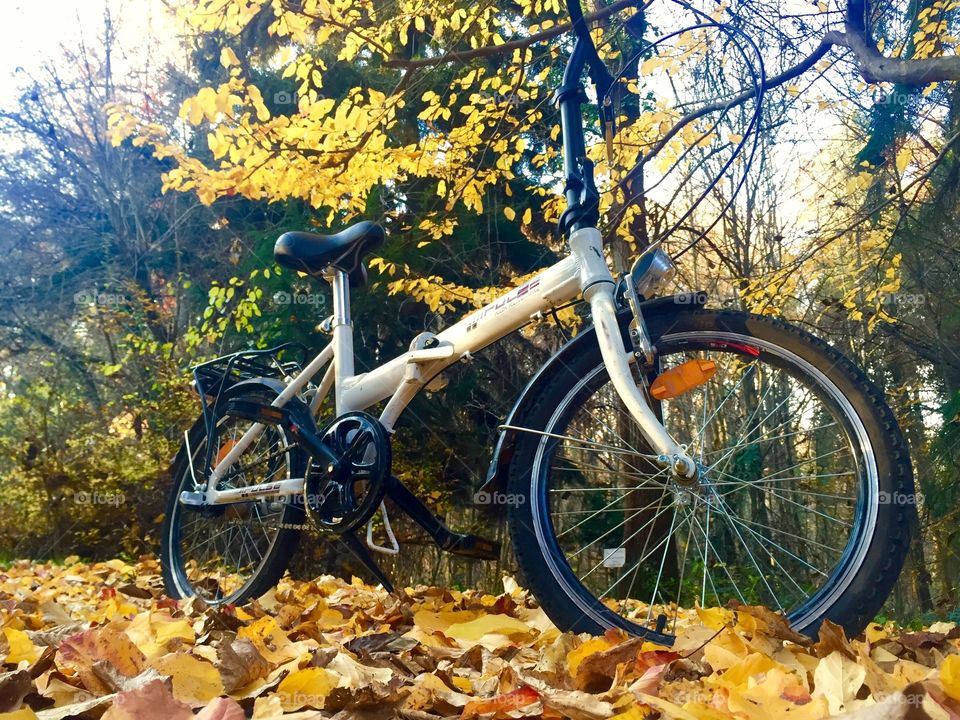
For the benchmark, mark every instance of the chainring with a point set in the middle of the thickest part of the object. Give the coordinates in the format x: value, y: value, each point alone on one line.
x: 345, y: 499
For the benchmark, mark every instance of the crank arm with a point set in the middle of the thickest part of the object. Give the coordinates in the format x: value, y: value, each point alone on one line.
x: 462, y: 544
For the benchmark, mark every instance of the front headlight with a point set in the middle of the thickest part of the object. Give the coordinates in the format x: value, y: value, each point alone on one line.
x: 651, y: 272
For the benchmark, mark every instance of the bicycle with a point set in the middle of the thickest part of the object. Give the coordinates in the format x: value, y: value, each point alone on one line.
x: 668, y: 456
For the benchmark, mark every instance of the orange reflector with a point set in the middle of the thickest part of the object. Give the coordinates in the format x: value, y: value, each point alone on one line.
x: 224, y: 449
x: 680, y: 379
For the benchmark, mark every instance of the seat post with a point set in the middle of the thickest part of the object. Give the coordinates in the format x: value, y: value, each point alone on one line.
x: 342, y: 334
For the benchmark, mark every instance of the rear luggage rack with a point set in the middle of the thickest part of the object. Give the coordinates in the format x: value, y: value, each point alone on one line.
x: 214, y: 377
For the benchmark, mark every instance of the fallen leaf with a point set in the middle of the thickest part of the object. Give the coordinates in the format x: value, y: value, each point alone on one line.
x: 307, y: 687
x: 773, y: 624
x: 104, y: 644
x: 950, y: 676
x: 152, y: 701
x: 832, y: 639
x: 22, y: 714
x: 14, y: 686
x: 838, y: 679
x: 487, y: 625
x: 195, y: 682
x: 271, y: 642
x: 583, y: 651
x: 21, y: 648
x: 501, y: 704
x: 240, y: 663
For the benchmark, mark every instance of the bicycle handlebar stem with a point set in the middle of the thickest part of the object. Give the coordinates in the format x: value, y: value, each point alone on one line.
x: 583, y: 200
x: 579, y: 189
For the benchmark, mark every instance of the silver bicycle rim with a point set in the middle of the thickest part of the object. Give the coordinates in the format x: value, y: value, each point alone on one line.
x: 562, y: 572
x: 179, y: 571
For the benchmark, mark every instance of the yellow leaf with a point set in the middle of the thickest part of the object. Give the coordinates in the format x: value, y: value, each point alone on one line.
x: 636, y: 711
x: 903, y: 159
x: 307, y: 687
x: 153, y: 632
x: 740, y: 673
x: 726, y: 650
x: 579, y: 654
x: 527, y: 216
x: 195, y: 681
x: 510, y: 213
x: 486, y: 624
x: 950, y: 676
x: 875, y: 632
x: 462, y: 683
x: 715, y: 618
x: 270, y: 640
x: 228, y: 57
x: 21, y: 647
x: 21, y: 714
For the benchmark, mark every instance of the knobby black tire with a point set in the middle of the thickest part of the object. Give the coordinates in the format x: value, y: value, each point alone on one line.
x: 886, y: 547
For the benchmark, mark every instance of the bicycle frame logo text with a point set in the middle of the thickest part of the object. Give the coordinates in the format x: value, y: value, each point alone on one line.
x: 502, y: 304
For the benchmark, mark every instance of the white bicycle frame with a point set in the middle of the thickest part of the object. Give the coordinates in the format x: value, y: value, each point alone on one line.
x: 583, y: 271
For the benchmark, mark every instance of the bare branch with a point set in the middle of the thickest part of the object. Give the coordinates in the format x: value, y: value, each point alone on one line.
x: 876, y: 67
x: 787, y: 75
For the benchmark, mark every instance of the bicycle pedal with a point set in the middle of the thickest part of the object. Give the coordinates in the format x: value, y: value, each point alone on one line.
x: 473, y: 546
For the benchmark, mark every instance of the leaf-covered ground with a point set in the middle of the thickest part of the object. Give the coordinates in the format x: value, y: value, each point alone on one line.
x: 101, y: 640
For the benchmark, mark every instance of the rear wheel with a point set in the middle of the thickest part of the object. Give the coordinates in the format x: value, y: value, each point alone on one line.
x: 231, y: 553
x: 802, y: 501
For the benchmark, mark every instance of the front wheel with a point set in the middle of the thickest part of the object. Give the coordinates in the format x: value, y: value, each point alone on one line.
x: 802, y: 502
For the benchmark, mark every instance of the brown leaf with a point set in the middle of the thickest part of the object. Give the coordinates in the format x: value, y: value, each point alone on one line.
x: 240, y: 663
x: 832, y: 638
x: 595, y: 672
x: 916, y: 640
x: 14, y: 686
x: 131, y: 590
x: 777, y: 625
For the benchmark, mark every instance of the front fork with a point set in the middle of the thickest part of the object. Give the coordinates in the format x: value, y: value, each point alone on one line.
x: 598, y: 287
